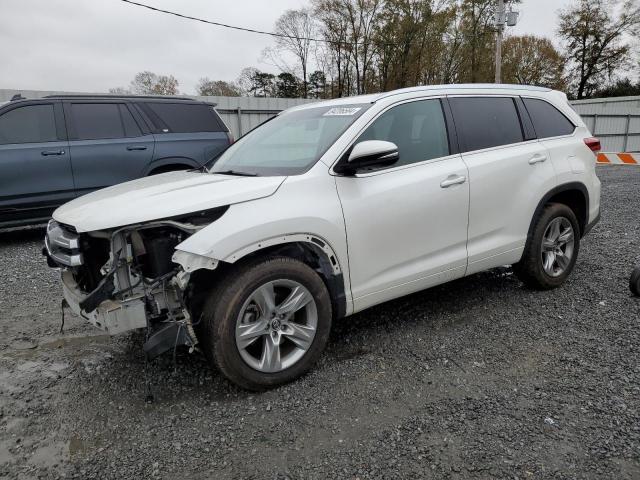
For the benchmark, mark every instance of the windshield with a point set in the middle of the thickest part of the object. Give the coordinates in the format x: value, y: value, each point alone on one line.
x: 290, y: 143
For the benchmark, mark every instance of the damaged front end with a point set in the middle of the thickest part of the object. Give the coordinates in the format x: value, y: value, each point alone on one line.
x: 124, y: 279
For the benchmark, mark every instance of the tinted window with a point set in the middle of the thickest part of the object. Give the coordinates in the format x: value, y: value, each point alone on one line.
x: 93, y: 121
x: 484, y: 122
x: 417, y: 128
x: 547, y: 119
x: 187, y: 117
x: 28, y: 124
x: 131, y: 128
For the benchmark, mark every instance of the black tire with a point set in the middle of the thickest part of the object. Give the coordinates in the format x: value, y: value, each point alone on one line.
x: 530, y: 269
x: 223, y: 307
x: 634, y: 282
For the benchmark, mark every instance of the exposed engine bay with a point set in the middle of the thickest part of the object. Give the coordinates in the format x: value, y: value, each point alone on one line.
x: 125, y: 279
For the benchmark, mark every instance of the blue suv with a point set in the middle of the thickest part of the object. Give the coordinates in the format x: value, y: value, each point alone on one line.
x: 60, y: 147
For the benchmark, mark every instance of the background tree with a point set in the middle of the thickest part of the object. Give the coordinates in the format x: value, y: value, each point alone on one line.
x: 478, y: 31
x: 120, y: 91
x: 317, y: 87
x: 208, y: 87
x: 149, y: 83
x: 595, y: 40
x: 256, y: 83
x: 621, y: 88
x: 298, y: 27
x: 531, y: 60
x: 288, y: 85
x: 349, y: 27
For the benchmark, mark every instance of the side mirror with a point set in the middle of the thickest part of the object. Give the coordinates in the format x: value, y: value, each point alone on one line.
x: 368, y: 154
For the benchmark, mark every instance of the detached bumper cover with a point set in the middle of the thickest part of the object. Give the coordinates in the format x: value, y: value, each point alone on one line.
x: 110, y: 316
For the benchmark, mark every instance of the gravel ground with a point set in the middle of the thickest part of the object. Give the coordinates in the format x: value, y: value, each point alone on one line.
x: 479, y: 378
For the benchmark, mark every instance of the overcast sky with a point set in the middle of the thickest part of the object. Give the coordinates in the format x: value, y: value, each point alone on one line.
x: 91, y: 46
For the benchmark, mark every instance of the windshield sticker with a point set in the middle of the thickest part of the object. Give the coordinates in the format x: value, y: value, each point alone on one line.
x: 342, y: 111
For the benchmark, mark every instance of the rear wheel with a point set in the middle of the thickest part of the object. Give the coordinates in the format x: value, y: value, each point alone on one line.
x: 267, y: 323
x: 551, y: 250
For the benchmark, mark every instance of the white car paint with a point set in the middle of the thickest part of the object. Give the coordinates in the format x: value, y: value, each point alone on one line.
x: 161, y: 196
x: 393, y: 232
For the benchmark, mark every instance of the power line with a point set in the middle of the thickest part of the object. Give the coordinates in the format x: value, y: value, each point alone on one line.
x: 234, y: 27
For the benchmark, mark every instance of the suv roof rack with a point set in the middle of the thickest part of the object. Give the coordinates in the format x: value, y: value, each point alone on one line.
x: 115, y: 95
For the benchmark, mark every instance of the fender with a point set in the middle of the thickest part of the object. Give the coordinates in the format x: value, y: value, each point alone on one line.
x: 565, y: 187
x: 163, y: 162
x: 310, y: 238
x: 327, y: 259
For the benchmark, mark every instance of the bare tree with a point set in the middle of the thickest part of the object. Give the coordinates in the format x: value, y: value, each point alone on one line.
x: 149, y: 83
x: 297, y: 27
x: 531, y: 60
x: 208, y: 87
x: 595, y: 40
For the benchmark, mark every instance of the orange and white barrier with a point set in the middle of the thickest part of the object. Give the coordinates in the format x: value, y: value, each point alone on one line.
x: 618, y: 159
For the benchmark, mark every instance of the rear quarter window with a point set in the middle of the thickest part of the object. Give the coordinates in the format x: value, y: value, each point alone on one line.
x: 186, y: 117
x: 485, y: 122
x: 547, y: 120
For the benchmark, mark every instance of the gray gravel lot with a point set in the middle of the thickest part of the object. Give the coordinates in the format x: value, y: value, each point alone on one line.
x: 480, y: 378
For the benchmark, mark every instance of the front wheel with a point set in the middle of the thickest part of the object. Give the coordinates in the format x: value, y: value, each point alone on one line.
x: 267, y: 323
x: 551, y: 249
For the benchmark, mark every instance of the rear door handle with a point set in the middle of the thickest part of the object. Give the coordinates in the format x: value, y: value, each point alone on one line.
x: 453, y: 180
x: 46, y: 153
x: 131, y: 148
x: 537, y: 158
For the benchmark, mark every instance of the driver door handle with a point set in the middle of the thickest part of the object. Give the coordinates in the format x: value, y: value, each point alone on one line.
x: 453, y: 180
x: 133, y: 148
x: 537, y: 158
x: 46, y: 153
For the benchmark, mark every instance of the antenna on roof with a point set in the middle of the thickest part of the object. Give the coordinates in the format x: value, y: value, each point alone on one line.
x: 17, y: 96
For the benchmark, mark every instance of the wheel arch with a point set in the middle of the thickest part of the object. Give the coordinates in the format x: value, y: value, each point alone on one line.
x: 307, y: 248
x: 169, y: 164
x: 574, y: 195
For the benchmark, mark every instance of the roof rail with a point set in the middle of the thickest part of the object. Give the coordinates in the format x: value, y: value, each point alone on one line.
x: 115, y: 95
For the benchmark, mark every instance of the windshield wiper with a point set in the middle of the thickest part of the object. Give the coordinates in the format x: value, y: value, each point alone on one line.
x: 236, y: 172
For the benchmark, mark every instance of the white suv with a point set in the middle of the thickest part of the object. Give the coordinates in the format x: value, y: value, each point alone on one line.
x: 328, y: 209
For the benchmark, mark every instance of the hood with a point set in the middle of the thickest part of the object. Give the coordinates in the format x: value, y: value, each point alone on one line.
x: 161, y: 196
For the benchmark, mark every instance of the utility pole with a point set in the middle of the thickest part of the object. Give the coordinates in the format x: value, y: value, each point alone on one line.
x: 503, y: 17
x: 499, y: 29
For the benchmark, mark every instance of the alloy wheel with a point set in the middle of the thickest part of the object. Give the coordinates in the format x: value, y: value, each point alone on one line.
x: 557, y: 246
x: 276, y: 325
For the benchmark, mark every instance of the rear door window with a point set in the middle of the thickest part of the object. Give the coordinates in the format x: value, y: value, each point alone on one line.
x: 547, y: 120
x: 485, y: 122
x: 28, y: 124
x: 417, y: 128
x: 186, y: 117
x: 131, y: 128
x: 96, y: 121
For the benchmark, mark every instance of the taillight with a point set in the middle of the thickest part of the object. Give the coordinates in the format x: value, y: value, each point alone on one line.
x: 593, y: 144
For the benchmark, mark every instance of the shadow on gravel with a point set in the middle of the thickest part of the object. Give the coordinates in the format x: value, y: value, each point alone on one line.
x: 190, y: 376
x: 426, y: 307
x: 21, y: 235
